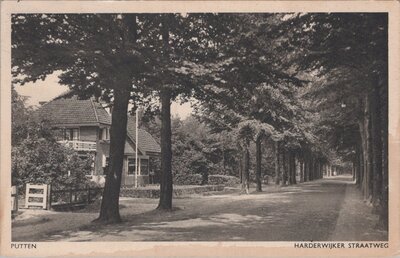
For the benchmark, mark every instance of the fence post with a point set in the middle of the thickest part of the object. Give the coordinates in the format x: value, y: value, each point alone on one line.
x: 45, y: 191
x: 48, y: 197
x: 27, y: 186
x: 14, y: 200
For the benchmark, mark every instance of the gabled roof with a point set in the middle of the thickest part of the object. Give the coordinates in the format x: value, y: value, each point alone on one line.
x: 146, y: 142
x: 73, y: 111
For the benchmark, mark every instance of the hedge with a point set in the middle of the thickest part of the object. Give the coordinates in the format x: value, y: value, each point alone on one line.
x: 223, y: 180
x: 188, y: 179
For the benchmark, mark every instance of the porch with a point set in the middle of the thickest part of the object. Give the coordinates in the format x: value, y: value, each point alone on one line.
x: 79, y: 145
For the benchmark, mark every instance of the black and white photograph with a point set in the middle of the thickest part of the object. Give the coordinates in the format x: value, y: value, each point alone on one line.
x: 200, y: 127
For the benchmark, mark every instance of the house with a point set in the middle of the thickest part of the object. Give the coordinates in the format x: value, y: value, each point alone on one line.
x: 84, y: 125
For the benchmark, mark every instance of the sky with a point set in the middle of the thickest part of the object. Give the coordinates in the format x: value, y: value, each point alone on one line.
x: 50, y: 88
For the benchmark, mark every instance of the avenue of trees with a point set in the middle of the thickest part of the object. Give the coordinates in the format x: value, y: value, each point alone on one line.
x: 311, y: 88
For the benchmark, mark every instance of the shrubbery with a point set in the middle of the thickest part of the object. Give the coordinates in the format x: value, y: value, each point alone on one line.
x: 39, y: 159
x: 197, y: 179
x: 223, y: 180
x: 188, y: 179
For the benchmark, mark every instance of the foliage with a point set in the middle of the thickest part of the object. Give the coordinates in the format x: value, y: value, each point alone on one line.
x: 188, y: 179
x: 40, y: 159
x: 20, y: 116
x: 223, y: 180
x: 196, y: 149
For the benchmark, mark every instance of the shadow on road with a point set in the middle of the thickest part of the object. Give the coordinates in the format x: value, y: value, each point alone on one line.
x: 302, y: 212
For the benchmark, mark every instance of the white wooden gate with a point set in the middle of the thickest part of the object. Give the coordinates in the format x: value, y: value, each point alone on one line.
x: 40, y: 198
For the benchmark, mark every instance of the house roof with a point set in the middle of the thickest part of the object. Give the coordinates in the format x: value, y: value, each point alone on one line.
x: 73, y: 111
x: 67, y: 109
x: 146, y: 142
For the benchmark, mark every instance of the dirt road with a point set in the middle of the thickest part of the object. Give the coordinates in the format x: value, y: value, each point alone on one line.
x: 323, y: 210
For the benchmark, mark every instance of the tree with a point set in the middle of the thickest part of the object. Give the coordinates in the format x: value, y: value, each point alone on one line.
x: 98, y: 55
x: 185, y: 44
x: 20, y: 114
x: 352, y: 68
x: 118, y: 58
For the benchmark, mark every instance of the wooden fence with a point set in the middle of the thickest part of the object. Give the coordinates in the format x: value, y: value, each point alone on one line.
x: 45, y: 197
x: 73, y: 198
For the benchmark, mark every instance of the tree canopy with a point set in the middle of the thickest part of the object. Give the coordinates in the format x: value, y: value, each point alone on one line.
x: 315, y: 84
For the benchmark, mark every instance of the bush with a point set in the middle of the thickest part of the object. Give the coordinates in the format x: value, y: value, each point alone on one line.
x: 188, y: 179
x: 223, y: 180
x: 39, y: 159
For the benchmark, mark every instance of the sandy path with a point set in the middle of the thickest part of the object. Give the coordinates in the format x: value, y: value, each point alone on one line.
x: 310, y: 211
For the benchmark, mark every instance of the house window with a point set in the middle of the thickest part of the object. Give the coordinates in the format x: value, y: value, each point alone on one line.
x: 105, y: 134
x: 71, y: 134
x: 131, y: 166
x: 144, y: 166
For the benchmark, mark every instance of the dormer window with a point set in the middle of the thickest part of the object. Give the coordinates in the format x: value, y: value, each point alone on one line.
x: 105, y: 134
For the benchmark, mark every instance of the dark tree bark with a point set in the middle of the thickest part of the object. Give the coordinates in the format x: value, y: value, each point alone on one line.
x: 363, y: 156
x: 166, y: 190
x: 383, y: 216
x: 306, y: 168
x: 301, y: 164
x: 246, y: 170
x: 165, y: 202
x: 258, y: 164
x: 284, y: 167
x: 276, y: 161
x: 368, y: 155
x: 289, y: 166
x: 294, y: 168
x: 376, y: 135
x: 109, y: 211
x: 361, y: 165
x: 357, y: 164
x: 241, y: 169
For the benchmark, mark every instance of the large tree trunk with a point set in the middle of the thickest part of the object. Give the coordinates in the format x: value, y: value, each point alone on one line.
x: 357, y: 164
x: 258, y: 164
x: 276, y: 161
x: 241, y: 168
x: 363, y: 155
x: 383, y: 216
x: 368, y: 158
x: 165, y: 202
x: 109, y: 211
x: 306, y: 167
x: 290, y: 168
x: 301, y: 164
x: 246, y: 170
x: 294, y: 168
x: 284, y: 168
x: 376, y: 136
